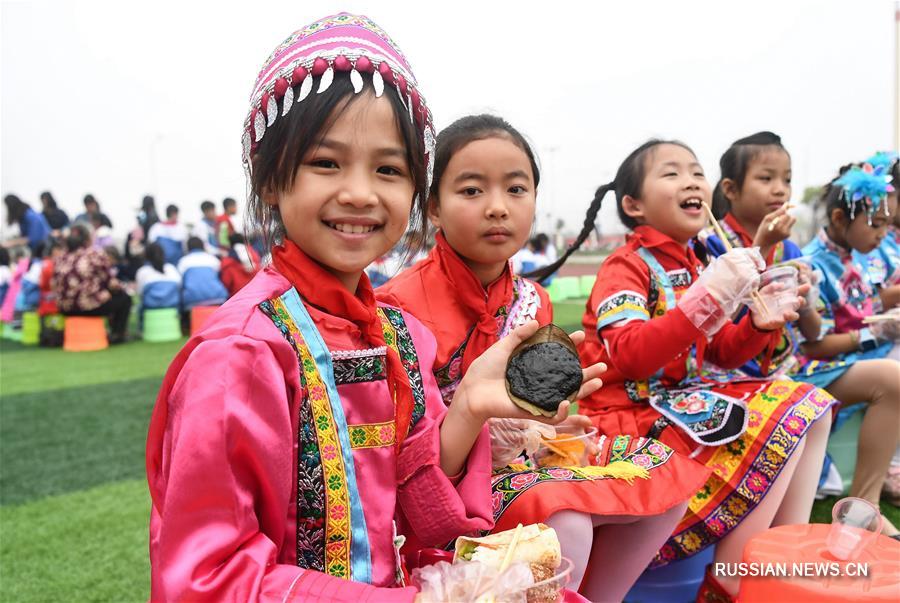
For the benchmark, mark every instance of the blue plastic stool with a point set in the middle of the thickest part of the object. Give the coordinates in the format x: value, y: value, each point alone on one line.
x: 843, y: 441
x: 676, y: 582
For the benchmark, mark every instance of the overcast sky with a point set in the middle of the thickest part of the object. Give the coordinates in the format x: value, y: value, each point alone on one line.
x: 123, y: 98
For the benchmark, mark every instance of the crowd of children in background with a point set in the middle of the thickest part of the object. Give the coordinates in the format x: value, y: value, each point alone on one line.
x: 61, y: 267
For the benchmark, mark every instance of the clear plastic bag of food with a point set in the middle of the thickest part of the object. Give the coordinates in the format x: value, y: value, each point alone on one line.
x: 472, y: 582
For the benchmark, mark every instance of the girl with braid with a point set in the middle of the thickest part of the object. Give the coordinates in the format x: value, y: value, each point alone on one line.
x: 657, y: 316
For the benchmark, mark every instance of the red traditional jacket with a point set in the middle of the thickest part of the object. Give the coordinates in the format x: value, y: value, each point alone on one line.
x: 465, y: 317
x: 636, y: 328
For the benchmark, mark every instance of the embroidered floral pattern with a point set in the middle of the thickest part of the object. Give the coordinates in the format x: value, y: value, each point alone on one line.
x: 358, y: 370
x: 310, y: 482
x: 524, y: 307
x: 710, y: 516
x: 337, y: 497
x: 372, y: 435
x: 507, y: 485
x: 403, y: 344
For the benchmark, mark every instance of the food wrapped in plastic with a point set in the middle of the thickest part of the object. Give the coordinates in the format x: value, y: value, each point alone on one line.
x: 537, y: 545
x: 511, y: 437
x: 473, y: 582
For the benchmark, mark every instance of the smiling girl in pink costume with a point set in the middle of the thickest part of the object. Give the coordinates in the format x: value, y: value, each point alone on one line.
x: 301, y: 435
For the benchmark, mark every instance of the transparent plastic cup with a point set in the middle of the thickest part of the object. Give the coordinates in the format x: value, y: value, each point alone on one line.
x: 549, y: 590
x: 855, y: 524
x: 778, y: 290
x: 566, y: 449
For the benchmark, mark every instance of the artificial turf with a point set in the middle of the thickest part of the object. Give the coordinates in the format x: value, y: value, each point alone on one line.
x: 73, y: 497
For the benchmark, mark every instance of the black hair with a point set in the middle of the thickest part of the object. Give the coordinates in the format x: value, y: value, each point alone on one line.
x: 171, y: 210
x: 156, y: 257
x: 207, y: 205
x: 228, y: 202
x: 469, y: 129
x: 113, y: 253
x: 51, y: 244
x: 4, y: 256
x: 89, y: 198
x: 15, y: 209
x: 47, y: 198
x: 539, y: 242
x: 734, y: 164
x: 195, y: 243
x: 79, y: 236
x: 236, y: 239
x: 628, y: 182
x: 833, y: 196
x: 289, y: 139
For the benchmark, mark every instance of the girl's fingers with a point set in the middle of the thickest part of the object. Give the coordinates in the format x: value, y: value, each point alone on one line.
x: 577, y: 337
x: 519, y: 335
x: 561, y: 413
x: 593, y: 371
x: 580, y: 421
x: 588, y: 388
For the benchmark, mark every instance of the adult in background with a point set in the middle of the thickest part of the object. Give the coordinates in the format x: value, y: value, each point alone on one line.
x: 92, y: 207
x: 85, y: 286
x: 56, y: 218
x: 170, y: 235
x: 32, y: 225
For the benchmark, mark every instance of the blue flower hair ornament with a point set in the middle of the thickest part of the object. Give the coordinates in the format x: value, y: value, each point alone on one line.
x: 865, y: 186
x: 884, y: 160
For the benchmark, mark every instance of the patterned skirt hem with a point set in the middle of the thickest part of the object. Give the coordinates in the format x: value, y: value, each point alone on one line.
x: 744, y: 470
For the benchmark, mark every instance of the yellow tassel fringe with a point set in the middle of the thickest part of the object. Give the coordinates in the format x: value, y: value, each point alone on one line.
x: 617, y: 470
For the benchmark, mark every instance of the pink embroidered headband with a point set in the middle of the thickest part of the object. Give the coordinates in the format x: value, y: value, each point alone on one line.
x: 341, y: 42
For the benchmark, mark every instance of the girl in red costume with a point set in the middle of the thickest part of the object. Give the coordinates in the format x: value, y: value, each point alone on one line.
x: 482, y: 203
x: 657, y: 317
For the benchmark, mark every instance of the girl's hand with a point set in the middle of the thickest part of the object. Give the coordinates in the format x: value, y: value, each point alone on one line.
x: 579, y: 425
x: 482, y: 391
x: 766, y: 321
x: 773, y: 229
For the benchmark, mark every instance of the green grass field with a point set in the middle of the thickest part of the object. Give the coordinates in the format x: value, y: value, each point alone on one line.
x: 73, y: 497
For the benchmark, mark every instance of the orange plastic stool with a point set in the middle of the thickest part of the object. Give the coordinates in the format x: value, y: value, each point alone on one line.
x: 805, y: 543
x: 85, y: 334
x: 199, y: 316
